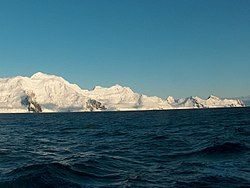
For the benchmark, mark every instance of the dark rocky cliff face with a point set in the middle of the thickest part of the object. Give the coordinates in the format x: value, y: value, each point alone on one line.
x: 34, y: 107
x: 28, y: 100
x: 95, y: 105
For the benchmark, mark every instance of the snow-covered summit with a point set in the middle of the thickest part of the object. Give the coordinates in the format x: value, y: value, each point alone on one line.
x: 118, y: 97
x: 50, y: 93
x: 40, y: 75
x: 213, y: 97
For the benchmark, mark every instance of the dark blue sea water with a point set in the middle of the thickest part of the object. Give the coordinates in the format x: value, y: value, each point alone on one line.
x: 179, y: 148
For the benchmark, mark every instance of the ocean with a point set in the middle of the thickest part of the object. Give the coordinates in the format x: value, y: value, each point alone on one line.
x: 173, y: 148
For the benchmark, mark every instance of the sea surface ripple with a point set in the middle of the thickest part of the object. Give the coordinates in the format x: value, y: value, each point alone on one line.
x: 175, y: 148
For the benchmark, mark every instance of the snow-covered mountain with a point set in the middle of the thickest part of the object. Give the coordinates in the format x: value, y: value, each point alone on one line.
x: 123, y: 98
x: 48, y: 93
x: 52, y: 93
x: 246, y: 100
x: 211, y: 102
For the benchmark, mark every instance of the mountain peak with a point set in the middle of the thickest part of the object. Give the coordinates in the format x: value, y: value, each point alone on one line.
x: 213, y: 97
x: 39, y: 75
x: 117, y: 86
x: 113, y: 88
x: 97, y: 88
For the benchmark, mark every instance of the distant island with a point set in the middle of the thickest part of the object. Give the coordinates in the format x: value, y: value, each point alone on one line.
x: 48, y: 93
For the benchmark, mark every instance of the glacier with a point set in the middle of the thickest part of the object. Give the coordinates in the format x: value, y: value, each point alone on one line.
x: 49, y: 93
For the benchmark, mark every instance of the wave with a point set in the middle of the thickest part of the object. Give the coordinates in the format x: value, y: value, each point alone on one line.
x: 217, y: 149
x: 214, y: 181
x: 225, y: 148
x: 156, y: 149
x: 242, y: 131
x: 4, y: 152
x: 53, y: 175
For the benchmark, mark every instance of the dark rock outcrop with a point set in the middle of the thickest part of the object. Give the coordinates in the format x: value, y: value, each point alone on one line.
x: 95, y: 105
x: 29, y: 101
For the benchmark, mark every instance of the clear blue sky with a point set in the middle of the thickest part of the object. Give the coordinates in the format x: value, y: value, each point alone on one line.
x: 178, y: 47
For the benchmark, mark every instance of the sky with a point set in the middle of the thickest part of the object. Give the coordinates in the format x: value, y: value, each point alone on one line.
x: 159, y: 47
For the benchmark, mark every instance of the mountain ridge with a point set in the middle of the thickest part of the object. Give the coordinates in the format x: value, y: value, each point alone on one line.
x: 49, y: 93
